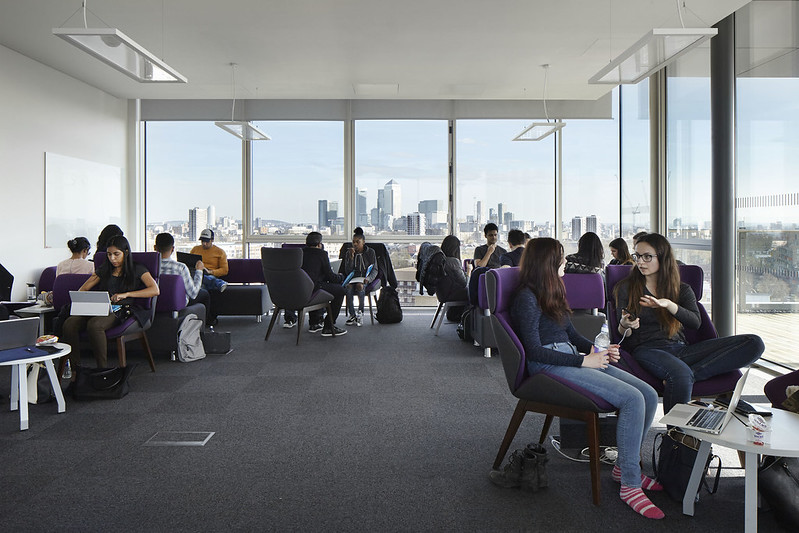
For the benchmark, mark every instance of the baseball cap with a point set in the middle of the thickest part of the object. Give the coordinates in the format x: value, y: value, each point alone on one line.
x: 206, y: 235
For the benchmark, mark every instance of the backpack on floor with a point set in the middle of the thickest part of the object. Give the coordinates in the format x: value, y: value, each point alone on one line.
x: 464, y: 328
x: 389, y: 310
x: 190, y: 345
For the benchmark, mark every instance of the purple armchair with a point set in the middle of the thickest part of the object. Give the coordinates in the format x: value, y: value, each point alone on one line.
x: 586, y: 296
x: 693, y: 276
x: 170, y: 311
x: 540, y: 392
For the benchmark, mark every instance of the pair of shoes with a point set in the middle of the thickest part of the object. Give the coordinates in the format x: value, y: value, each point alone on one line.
x: 316, y: 328
x: 351, y: 321
x: 359, y: 319
x: 223, y: 286
x: 526, y: 469
x: 509, y: 477
x: 288, y: 324
x: 328, y: 332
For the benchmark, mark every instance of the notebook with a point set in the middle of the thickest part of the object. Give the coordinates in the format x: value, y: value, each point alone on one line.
x: 360, y: 279
x: 17, y: 333
x: 90, y: 303
x: 704, y: 418
x: 190, y: 260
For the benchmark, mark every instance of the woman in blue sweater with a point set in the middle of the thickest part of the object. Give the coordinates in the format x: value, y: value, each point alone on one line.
x: 540, y: 315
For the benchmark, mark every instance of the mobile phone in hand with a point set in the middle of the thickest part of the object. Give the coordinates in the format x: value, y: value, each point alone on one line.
x: 631, y: 316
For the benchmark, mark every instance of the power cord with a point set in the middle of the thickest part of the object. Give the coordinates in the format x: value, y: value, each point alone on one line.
x: 608, y: 454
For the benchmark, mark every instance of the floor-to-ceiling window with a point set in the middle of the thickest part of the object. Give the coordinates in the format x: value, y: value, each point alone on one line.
x: 635, y: 171
x: 510, y: 183
x: 193, y: 182
x: 591, y: 179
x: 767, y: 195
x: 688, y: 176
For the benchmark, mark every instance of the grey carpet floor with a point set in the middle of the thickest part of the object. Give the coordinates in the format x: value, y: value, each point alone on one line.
x: 387, y: 428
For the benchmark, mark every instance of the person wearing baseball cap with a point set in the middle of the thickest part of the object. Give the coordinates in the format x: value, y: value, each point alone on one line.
x: 215, y: 261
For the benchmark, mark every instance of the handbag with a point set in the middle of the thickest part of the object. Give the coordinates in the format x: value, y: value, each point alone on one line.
x: 778, y: 483
x: 676, y: 455
x: 216, y: 342
x: 101, y: 383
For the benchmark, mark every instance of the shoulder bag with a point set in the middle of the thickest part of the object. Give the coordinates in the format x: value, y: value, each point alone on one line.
x: 676, y: 454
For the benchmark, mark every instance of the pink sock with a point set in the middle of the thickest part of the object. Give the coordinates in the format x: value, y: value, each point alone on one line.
x: 646, y: 482
x: 635, y: 498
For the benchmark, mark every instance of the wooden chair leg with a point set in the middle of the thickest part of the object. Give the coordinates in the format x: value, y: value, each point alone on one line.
x: 146, y: 344
x: 433, y: 323
x: 513, y: 427
x: 592, y: 433
x: 272, y: 323
x: 121, y: 352
x: 545, y: 429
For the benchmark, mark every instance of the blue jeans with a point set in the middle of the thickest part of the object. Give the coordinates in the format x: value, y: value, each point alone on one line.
x: 680, y: 365
x: 212, y: 283
x: 635, y: 400
x: 351, y: 292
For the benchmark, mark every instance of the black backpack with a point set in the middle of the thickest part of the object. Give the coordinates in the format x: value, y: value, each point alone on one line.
x: 389, y: 310
x: 464, y: 328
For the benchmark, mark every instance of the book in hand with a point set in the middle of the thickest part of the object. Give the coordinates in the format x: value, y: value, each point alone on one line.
x: 352, y: 278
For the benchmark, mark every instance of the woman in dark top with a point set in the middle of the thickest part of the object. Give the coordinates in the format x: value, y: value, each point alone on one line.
x: 540, y: 316
x: 357, y: 261
x: 452, y: 286
x: 620, y: 252
x: 124, y: 280
x: 589, y: 256
x: 655, y: 307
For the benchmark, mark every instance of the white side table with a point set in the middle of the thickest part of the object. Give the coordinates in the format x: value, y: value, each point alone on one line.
x: 36, y: 310
x: 19, y: 379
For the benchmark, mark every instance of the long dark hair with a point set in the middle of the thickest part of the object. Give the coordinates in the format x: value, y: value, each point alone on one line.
x: 668, y: 282
x: 106, y: 270
x: 108, y: 232
x: 451, y: 246
x: 589, y: 248
x: 624, y: 257
x: 538, y: 271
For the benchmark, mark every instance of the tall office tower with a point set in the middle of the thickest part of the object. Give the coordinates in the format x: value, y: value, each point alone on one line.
x: 198, y: 221
x: 211, y: 216
x: 500, y: 215
x: 381, y: 209
x: 507, y: 217
x: 415, y: 224
x: 392, y: 198
x: 321, y: 215
x: 577, y: 228
x: 592, y: 224
x: 361, y: 214
x: 375, y: 217
x: 478, y: 212
x: 492, y: 215
x: 332, y: 212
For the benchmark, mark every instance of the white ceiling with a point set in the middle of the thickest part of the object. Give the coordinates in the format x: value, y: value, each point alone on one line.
x: 414, y: 49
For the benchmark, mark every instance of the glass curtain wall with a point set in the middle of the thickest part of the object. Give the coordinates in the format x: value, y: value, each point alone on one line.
x: 591, y: 179
x: 688, y: 177
x: 193, y: 182
x: 767, y: 199
x: 511, y: 184
x: 635, y: 171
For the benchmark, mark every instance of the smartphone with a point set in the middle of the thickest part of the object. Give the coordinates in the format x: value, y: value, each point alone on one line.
x: 115, y: 308
x: 631, y: 315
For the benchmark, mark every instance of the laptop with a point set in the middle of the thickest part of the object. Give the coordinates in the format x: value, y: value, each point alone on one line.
x: 90, y: 303
x: 190, y: 260
x: 18, y: 333
x: 704, y: 418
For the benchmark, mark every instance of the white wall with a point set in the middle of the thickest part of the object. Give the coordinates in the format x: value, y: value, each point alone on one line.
x: 43, y: 110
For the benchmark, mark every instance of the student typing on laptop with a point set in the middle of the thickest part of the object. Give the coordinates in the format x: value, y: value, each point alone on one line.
x: 124, y: 280
x: 655, y: 307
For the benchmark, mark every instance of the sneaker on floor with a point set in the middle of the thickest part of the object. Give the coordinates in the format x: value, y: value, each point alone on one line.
x: 351, y: 321
x: 316, y: 328
x: 223, y: 286
x: 328, y: 332
x: 288, y: 324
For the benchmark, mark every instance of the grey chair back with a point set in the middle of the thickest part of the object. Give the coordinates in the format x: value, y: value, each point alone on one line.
x: 289, y: 285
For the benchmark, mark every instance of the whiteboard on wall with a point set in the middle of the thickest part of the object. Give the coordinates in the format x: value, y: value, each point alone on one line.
x: 80, y: 198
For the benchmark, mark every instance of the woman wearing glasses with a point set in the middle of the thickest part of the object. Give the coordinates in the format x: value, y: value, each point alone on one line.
x: 655, y: 306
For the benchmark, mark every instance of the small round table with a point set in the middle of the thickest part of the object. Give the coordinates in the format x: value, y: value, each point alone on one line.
x: 19, y: 378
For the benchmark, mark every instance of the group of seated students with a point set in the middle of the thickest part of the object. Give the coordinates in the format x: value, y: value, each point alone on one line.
x: 653, y: 308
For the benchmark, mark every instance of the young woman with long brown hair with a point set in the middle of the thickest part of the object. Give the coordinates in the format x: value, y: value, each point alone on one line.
x: 653, y: 303
x: 540, y: 315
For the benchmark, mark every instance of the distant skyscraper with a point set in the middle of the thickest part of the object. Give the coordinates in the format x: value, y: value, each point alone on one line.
x: 211, y: 216
x: 591, y: 224
x: 415, y: 224
x: 507, y: 217
x: 361, y: 214
x: 322, y: 219
x: 381, y: 209
x: 198, y: 221
x: 478, y: 212
x: 492, y: 216
x: 577, y: 227
x: 392, y: 199
x: 332, y: 212
x: 500, y: 215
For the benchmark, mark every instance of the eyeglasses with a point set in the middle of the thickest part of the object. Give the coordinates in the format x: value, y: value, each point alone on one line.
x: 646, y: 258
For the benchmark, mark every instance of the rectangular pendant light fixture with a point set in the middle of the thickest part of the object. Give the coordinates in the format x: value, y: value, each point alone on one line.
x: 117, y: 50
x: 538, y: 130
x: 651, y: 53
x: 243, y: 130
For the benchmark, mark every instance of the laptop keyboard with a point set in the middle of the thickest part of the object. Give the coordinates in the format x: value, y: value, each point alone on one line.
x: 706, y: 419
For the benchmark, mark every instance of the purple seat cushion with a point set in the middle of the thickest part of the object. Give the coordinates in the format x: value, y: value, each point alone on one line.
x: 173, y: 294
x: 482, y: 295
x: 47, y: 279
x: 585, y: 291
x: 244, y: 271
